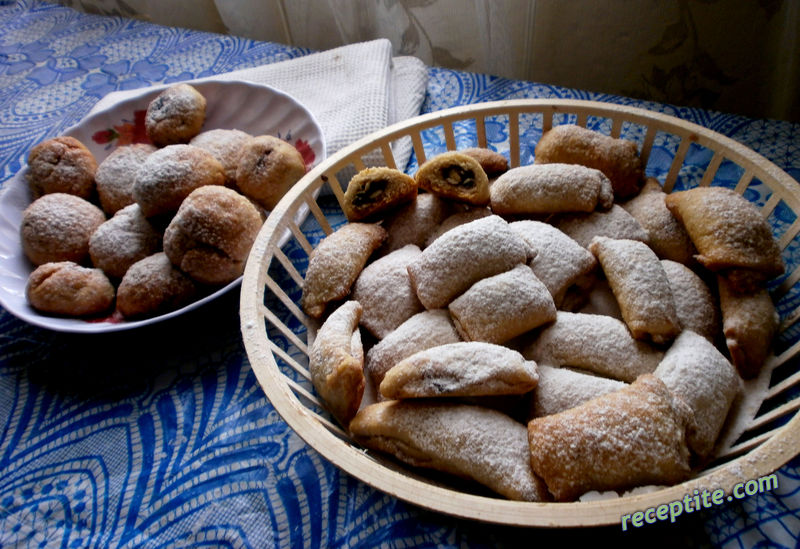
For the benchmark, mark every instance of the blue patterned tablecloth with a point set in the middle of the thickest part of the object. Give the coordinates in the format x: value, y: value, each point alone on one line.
x: 162, y: 437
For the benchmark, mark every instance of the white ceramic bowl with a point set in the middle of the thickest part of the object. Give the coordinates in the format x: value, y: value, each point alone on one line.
x: 231, y: 104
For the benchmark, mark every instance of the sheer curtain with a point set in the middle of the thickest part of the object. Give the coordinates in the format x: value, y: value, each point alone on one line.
x: 732, y: 55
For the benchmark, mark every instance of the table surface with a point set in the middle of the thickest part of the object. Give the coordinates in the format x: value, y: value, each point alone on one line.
x: 162, y: 436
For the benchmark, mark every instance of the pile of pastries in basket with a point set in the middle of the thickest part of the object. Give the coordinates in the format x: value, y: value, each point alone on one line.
x: 154, y: 225
x: 547, y: 330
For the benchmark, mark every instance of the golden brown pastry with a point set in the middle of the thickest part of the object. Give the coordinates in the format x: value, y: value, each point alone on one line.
x: 422, y: 331
x: 153, y: 286
x: 560, y: 389
x: 57, y: 227
x: 462, y: 256
x: 455, y: 176
x: 175, y: 115
x: 373, y: 191
x: 336, y: 367
x: 226, y: 145
x: 665, y: 234
x: 498, y: 308
x: 598, y: 343
x: 336, y: 263
x: 470, y: 368
x: 697, y: 373
x: 750, y: 324
x: 641, y: 287
x: 492, y: 162
x: 169, y: 175
x: 468, y: 441
x: 728, y: 230
x: 618, y: 159
x: 65, y: 288
x: 61, y: 165
x: 116, y: 176
x: 384, y: 291
x: 268, y: 167
x: 696, y: 306
x: 122, y: 241
x: 631, y: 437
x: 210, y: 236
x: 613, y: 223
x: 550, y: 188
x: 559, y: 261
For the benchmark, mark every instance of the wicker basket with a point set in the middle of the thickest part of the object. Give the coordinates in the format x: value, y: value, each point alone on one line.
x: 277, y: 333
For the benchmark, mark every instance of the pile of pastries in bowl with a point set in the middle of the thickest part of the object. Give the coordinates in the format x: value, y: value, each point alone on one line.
x: 545, y: 331
x: 154, y: 225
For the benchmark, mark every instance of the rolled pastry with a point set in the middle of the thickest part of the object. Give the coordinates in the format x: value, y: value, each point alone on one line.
x: 641, y: 287
x: 749, y: 324
x: 696, y: 306
x: 550, y: 188
x: 560, y: 389
x: 335, y: 264
x: 728, y: 230
x: 456, y: 219
x: 470, y: 368
x: 697, y: 373
x: 422, y: 331
x: 336, y: 362
x: 631, y: 437
x: 618, y: 159
x: 376, y: 190
x: 614, y: 223
x: 501, y: 307
x: 665, y: 233
x: 600, y: 344
x: 385, y: 292
x: 463, y: 440
x: 414, y: 222
x: 492, y: 162
x: 454, y: 176
x: 462, y: 256
x: 559, y: 261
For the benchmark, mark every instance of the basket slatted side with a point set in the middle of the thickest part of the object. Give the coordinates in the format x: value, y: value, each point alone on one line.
x: 281, y: 333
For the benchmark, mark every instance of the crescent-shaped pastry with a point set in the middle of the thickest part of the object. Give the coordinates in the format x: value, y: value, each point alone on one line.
x: 336, y: 362
x: 749, y: 324
x: 618, y: 159
x: 559, y: 261
x: 614, y: 223
x: 462, y: 256
x: 335, y: 264
x: 422, y: 331
x: 470, y: 368
x: 454, y: 176
x: 375, y: 190
x: 501, y: 307
x: 641, y: 287
x: 414, y: 222
x: 560, y: 389
x: 665, y: 234
x: 697, y: 308
x: 631, y: 437
x: 385, y: 292
x: 697, y: 373
x: 598, y: 343
x: 463, y: 440
x: 728, y: 230
x: 550, y: 188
